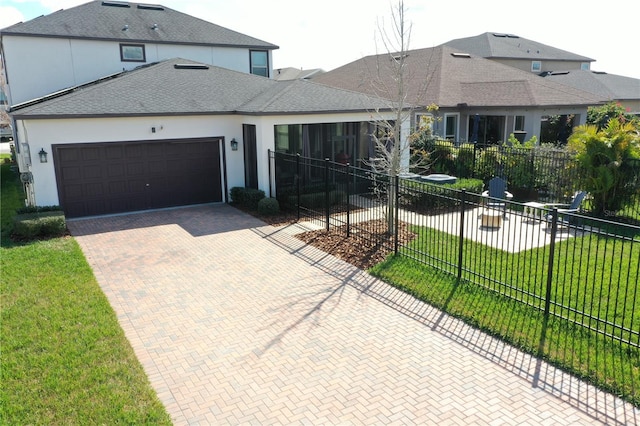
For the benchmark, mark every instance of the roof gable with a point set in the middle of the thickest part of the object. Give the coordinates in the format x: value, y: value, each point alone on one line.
x: 511, y: 46
x: 135, y: 22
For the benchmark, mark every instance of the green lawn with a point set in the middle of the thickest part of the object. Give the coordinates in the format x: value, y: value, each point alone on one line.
x: 65, y: 359
x: 581, y: 282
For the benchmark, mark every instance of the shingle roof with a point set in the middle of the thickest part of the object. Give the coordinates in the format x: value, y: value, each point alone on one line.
x: 106, y: 20
x: 500, y: 45
x: 610, y: 86
x: 452, y: 79
x: 166, y: 88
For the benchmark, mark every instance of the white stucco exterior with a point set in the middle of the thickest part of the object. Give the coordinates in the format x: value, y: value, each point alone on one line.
x: 38, y: 66
x: 40, y: 134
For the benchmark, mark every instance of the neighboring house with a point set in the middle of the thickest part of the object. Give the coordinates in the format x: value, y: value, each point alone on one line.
x: 118, y: 145
x: 625, y: 90
x: 295, y: 73
x: 521, y: 53
x: 468, y: 89
x: 71, y: 47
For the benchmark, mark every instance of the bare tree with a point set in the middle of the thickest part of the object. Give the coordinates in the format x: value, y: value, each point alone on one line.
x: 390, y: 81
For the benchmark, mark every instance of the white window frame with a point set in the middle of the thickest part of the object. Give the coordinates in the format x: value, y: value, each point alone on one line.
x: 536, y: 66
x: 453, y: 137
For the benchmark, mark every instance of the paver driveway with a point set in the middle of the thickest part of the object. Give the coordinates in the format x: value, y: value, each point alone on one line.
x: 237, y: 322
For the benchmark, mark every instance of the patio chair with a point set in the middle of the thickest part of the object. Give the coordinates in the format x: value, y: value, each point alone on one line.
x: 563, y: 209
x: 497, y: 195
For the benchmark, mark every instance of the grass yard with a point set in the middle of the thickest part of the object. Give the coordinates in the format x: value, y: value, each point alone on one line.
x: 65, y: 359
x: 579, y: 283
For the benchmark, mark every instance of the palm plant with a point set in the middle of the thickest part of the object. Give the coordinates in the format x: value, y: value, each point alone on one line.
x: 605, y: 160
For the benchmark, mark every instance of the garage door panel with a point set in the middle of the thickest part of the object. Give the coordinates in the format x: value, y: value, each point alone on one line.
x: 126, y: 176
x: 115, y: 170
x: 91, y: 154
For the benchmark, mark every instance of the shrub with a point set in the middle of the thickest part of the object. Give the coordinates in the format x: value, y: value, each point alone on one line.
x: 465, y: 160
x: 268, y: 206
x: 443, y: 155
x: 423, y: 196
x: 603, y: 160
x: 246, y: 197
x: 489, y: 163
x: 50, y: 223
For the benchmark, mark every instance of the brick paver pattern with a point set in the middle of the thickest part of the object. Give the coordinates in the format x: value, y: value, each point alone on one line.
x: 238, y: 322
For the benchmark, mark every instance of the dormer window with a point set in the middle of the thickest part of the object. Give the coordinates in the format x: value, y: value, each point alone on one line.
x: 585, y: 66
x: 536, y: 66
x: 259, y: 62
x: 132, y: 53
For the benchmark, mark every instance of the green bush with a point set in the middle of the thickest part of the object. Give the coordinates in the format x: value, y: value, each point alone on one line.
x: 603, y: 160
x: 40, y: 224
x: 268, y: 206
x: 465, y: 160
x: 423, y: 196
x: 443, y: 155
x: 489, y: 163
x: 246, y: 197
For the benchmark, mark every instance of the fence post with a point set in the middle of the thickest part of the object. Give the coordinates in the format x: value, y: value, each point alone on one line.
x: 396, y: 208
x: 463, y: 201
x: 327, y: 204
x: 298, y: 174
x: 552, y: 249
x: 272, y: 177
x: 348, y: 177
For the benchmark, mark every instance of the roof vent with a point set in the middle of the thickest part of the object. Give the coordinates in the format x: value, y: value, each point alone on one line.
x: 460, y: 55
x: 150, y: 7
x: 113, y: 3
x: 154, y: 27
x: 499, y: 35
x: 191, y: 66
x: 125, y: 28
x: 512, y: 36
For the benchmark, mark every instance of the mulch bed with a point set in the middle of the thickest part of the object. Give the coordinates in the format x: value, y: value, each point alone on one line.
x: 364, y: 249
x: 368, y: 244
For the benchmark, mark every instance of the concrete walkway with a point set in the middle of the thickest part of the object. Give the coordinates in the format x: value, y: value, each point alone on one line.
x: 237, y: 322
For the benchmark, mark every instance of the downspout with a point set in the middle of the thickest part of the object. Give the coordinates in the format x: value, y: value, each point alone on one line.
x: 23, y: 156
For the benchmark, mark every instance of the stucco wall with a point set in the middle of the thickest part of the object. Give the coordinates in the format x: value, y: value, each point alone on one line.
x: 38, y: 66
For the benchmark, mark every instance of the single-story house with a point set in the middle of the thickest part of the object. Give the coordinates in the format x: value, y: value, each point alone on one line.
x: 179, y: 132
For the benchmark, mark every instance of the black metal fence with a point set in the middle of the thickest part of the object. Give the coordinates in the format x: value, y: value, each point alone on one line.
x: 544, y: 173
x: 578, y: 272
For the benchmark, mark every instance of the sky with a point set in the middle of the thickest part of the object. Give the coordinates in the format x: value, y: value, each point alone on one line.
x: 329, y: 33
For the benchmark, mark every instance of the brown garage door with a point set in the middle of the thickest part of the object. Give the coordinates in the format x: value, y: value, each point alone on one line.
x: 120, y: 177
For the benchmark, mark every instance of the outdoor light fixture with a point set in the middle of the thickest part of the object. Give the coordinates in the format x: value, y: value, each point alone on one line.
x: 234, y: 144
x: 43, y: 155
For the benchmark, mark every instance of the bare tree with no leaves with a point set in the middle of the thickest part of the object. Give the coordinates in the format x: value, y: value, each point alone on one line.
x: 390, y: 82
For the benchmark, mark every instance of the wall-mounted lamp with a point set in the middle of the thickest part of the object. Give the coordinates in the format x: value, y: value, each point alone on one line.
x: 43, y: 155
x: 234, y: 144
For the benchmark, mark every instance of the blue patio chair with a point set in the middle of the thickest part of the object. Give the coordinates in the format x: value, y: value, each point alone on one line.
x: 497, y: 195
x: 563, y: 209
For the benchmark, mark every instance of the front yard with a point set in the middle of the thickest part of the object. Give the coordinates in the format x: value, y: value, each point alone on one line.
x: 65, y: 359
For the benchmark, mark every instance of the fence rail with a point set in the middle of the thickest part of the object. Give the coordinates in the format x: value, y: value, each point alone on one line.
x: 579, y: 272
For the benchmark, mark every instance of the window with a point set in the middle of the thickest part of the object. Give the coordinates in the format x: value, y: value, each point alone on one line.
x: 536, y: 66
x: 260, y: 63
x: 585, y: 66
x: 519, y: 123
x: 132, y: 53
x: 451, y: 127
